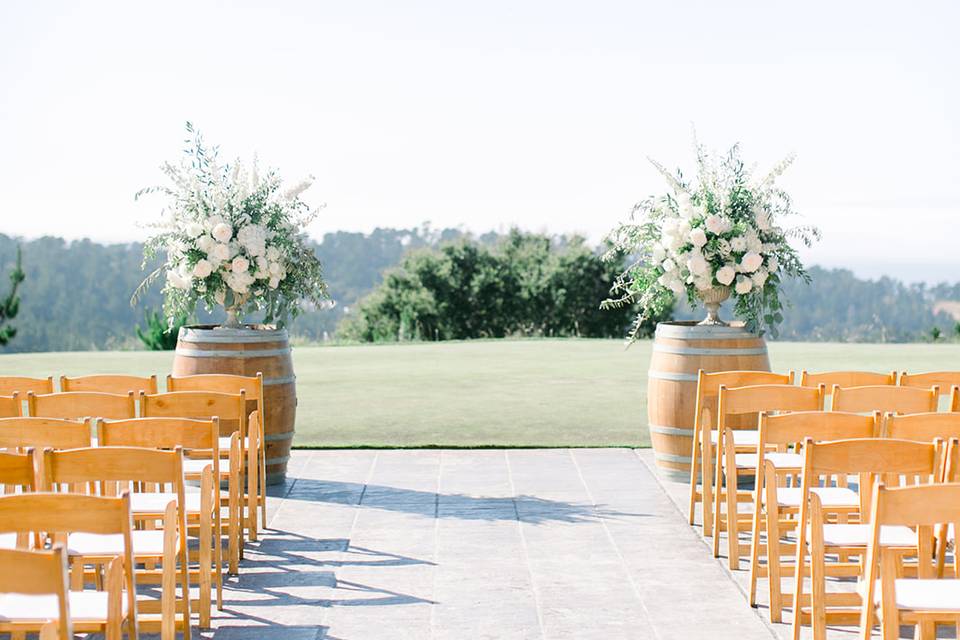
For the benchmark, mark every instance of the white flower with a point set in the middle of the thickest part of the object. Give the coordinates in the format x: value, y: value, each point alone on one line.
x: 202, y: 269
x: 220, y: 296
x: 751, y: 261
x: 772, y: 264
x: 176, y: 279
x: 738, y: 244
x: 219, y: 253
x: 723, y: 247
x: 222, y: 232
x: 698, y: 265
x: 762, y: 218
x: 296, y: 190
x: 725, y: 275
x: 677, y: 286
x: 683, y: 230
x: 760, y: 278
x: 658, y: 253
x: 253, y: 237
x: 670, y: 227
x: 194, y: 229
x: 668, y: 265
x: 273, y: 253
x: 718, y: 224
x: 205, y: 243
x: 240, y: 264
x: 698, y: 237
x: 754, y: 243
x: 744, y: 285
x: 214, y: 220
x: 274, y: 282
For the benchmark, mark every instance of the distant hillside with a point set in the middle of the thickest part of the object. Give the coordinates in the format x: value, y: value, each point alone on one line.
x: 76, y: 296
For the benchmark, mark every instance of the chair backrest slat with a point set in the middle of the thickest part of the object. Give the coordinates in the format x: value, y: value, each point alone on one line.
x: 164, y: 433
x: 17, y: 469
x: 944, y: 380
x: 11, y: 406
x: 923, y: 427
x: 39, y: 572
x: 885, y: 398
x: 109, y: 383
x: 847, y: 379
x: 768, y: 397
x: 204, y: 405
x: 44, y: 432
x: 82, y: 404
x: 23, y: 385
x: 795, y: 427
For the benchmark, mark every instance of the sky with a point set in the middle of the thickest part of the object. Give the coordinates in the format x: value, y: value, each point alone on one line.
x: 487, y: 115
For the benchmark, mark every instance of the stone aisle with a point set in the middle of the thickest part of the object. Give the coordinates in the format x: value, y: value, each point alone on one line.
x: 550, y: 544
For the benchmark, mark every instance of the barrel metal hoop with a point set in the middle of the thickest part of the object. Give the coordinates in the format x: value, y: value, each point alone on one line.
x: 670, y: 375
x: 670, y: 457
x: 670, y: 431
x: 246, y: 336
x: 277, y: 460
x: 226, y: 353
x: 699, y: 332
x: 276, y: 437
x: 704, y: 351
x: 283, y: 380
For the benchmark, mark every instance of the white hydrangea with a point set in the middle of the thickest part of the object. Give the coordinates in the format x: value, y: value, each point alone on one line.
x: 253, y: 238
x: 760, y: 278
x: 193, y: 229
x: 273, y: 253
x: 668, y: 265
x: 697, y: 264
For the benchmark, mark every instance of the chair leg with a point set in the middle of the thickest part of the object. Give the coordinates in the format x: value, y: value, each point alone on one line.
x: 263, y: 476
x: 718, y: 495
x: 706, y: 478
x: 253, y: 468
x: 694, y: 463
x: 733, y: 511
x: 755, y: 541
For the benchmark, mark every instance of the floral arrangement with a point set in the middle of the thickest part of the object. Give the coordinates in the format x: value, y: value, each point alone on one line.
x: 232, y: 239
x: 717, y: 235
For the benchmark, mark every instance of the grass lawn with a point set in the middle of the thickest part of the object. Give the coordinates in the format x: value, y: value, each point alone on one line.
x: 506, y: 393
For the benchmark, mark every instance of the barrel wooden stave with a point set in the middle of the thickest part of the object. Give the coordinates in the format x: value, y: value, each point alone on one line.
x: 680, y: 350
x: 240, y: 352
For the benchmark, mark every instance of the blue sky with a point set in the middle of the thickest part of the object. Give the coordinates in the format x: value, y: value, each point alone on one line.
x: 491, y: 114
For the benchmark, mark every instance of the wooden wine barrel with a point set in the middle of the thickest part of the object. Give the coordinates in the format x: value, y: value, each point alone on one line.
x: 244, y: 352
x: 680, y: 349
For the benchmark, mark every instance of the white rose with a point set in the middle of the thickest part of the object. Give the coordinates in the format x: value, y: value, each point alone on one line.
x: 213, y: 221
x: 738, y: 244
x: 760, y: 278
x: 222, y: 232
x: 202, y: 269
x: 194, y: 229
x: 751, y: 261
x: 698, y: 237
x: 274, y: 282
x: 240, y: 264
x: 725, y: 275
x: 658, y: 253
x: 743, y: 286
x: 219, y: 253
x: 697, y: 264
x: 176, y: 279
x: 205, y: 243
x: 715, y: 224
x: 668, y: 265
x: 772, y: 264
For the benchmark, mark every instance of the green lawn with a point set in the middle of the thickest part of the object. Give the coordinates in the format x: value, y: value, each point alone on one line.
x: 510, y: 393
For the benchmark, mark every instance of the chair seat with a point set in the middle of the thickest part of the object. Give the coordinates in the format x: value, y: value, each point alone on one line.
x: 829, y: 496
x: 858, y: 535
x: 8, y: 541
x: 225, y: 443
x: 921, y: 594
x: 741, y: 437
x: 196, y: 466
x: 779, y: 460
x: 157, y: 502
x: 145, y: 543
x: 85, y: 606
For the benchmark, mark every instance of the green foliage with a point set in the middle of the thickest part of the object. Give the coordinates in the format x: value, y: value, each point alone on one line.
x: 935, y: 333
x: 160, y: 335
x: 525, y: 285
x: 10, y: 305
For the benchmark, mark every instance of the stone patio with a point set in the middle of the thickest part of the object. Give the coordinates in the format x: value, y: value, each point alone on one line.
x: 499, y: 544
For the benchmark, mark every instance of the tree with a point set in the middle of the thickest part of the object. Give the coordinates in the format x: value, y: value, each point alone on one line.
x: 10, y: 305
x: 159, y: 336
x: 935, y: 333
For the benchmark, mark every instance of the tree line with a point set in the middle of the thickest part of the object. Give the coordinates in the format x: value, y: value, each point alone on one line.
x: 428, y: 284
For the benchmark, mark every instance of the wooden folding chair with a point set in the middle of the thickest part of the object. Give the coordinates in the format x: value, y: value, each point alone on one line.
x: 252, y: 447
x: 846, y: 379
x: 57, y: 515
x: 35, y: 585
x: 17, y: 475
x: 200, y: 441
x: 704, y: 422
x: 777, y: 494
x: 107, y: 471
x: 110, y: 383
x: 923, y: 601
x: 896, y: 462
x: 10, y: 406
x: 923, y: 427
x: 82, y: 404
x: 23, y: 385
x: 740, y: 401
x: 55, y: 433
x: 205, y: 405
x: 944, y: 380
x: 884, y: 398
